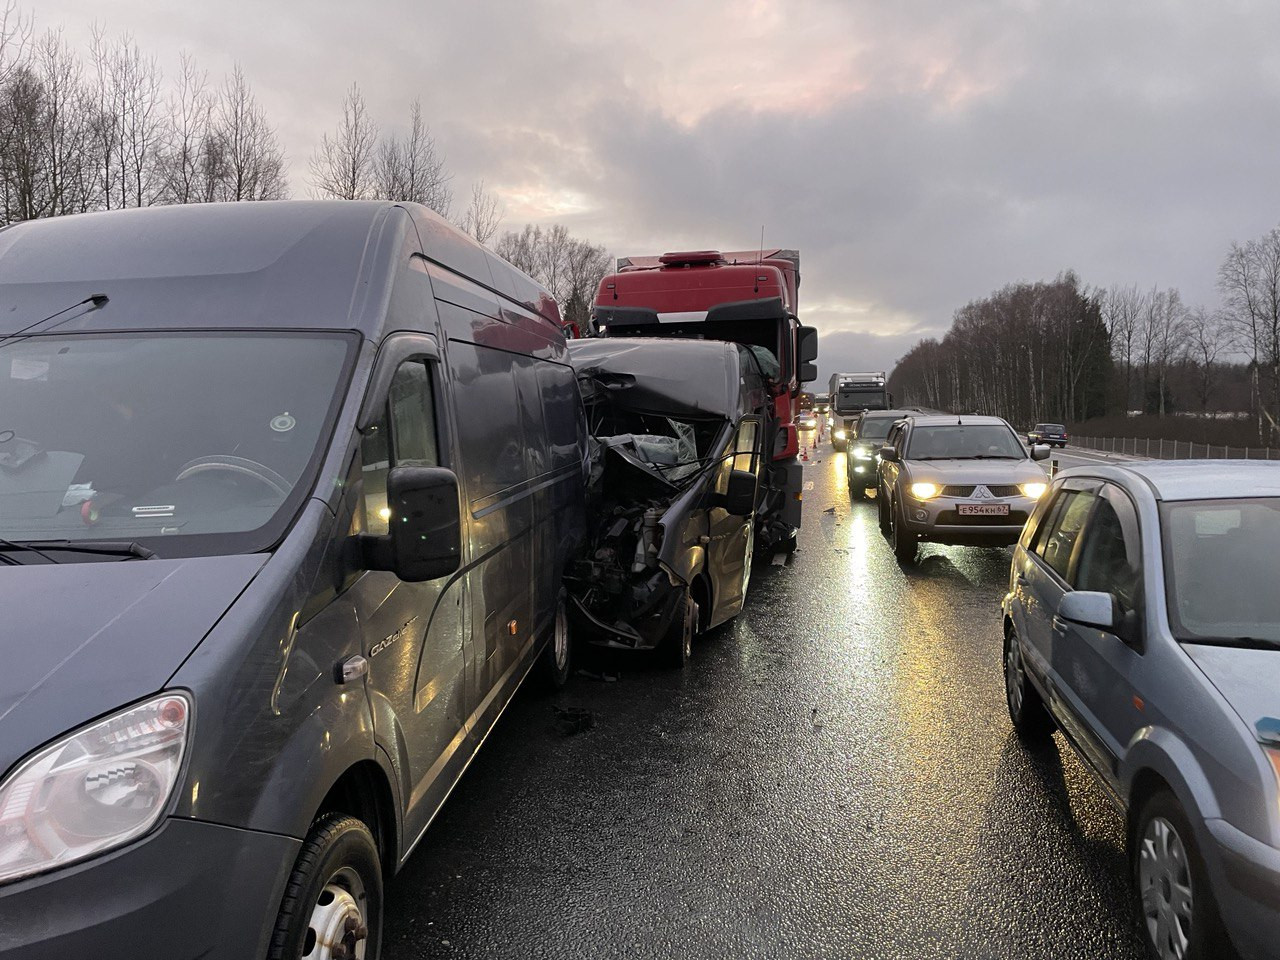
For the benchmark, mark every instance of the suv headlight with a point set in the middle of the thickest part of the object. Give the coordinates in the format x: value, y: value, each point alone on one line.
x: 94, y: 789
x: 862, y: 452
x: 840, y: 434
x: 925, y: 491
x: 1035, y: 489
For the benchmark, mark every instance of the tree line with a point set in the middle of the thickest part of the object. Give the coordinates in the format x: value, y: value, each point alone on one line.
x: 104, y: 128
x: 1061, y: 351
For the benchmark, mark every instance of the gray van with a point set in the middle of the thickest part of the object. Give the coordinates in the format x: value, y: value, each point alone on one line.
x: 677, y: 429
x: 309, y: 474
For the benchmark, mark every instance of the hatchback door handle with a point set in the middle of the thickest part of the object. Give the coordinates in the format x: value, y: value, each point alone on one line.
x: 1023, y: 581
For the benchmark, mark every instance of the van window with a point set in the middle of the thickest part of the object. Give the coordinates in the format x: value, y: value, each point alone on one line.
x: 405, y: 435
x: 564, y: 414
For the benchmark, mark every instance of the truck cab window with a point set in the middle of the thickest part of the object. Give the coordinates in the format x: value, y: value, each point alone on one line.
x: 405, y: 435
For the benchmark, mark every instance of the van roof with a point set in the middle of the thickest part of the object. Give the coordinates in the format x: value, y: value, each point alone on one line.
x: 301, y: 264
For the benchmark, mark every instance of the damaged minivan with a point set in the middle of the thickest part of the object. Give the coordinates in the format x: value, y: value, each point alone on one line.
x: 675, y: 429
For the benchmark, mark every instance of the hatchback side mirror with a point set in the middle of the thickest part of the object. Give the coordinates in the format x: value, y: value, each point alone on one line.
x: 889, y: 454
x: 1040, y: 451
x: 425, y: 538
x: 740, y: 500
x: 1091, y: 608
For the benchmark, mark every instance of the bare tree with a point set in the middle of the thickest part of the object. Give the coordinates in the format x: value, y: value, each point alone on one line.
x: 1206, y: 341
x: 186, y: 162
x: 15, y: 32
x: 130, y: 122
x: 249, y: 154
x: 482, y: 216
x: 413, y: 169
x: 1249, y: 279
x: 344, y: 166
x: 570, y: 268
x: 1122, y: 308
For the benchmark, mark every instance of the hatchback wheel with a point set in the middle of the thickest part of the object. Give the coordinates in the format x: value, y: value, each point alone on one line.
x: 1026, y: 709
x: 1180, y: 920
x: 332, y: 907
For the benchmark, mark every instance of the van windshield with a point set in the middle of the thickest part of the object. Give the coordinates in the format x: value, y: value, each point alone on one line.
x: 180, y: 441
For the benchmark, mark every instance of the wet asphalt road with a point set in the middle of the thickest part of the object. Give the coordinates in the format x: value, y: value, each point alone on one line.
x: 833, y: 776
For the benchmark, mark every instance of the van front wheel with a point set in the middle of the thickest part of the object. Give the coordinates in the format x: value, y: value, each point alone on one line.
x: 332, y: 907
x: 557, y: 656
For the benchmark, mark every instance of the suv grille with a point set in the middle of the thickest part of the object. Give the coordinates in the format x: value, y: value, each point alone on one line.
x: 1004, y: 489
x: 954, y: 490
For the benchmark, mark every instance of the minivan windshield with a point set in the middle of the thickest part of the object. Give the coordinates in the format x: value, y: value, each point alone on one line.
x: 188, y: 442
x: 964, y: 442
x: 1220, y: 563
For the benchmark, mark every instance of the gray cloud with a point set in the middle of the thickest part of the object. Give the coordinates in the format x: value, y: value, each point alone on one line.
x: 919, y: 154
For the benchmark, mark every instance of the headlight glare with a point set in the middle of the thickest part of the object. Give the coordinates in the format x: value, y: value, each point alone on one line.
x: 1035, y: 490
x: 94, y: 789
x: 840, y: 434
x: 862, y: 452
x: 925, y: 491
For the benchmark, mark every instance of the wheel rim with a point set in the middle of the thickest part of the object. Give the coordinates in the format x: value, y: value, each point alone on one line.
x: 1164, y: 883
x: 690, y: 621
x: 338, y: 928
x: 560, y: 641
x: 1013, y: 676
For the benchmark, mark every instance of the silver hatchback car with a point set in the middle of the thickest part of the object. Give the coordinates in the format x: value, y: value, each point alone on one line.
x: 956, y: 479
x: 1143, y: 621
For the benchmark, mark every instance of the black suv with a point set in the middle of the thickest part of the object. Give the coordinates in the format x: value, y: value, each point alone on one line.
x: 1050, y: 433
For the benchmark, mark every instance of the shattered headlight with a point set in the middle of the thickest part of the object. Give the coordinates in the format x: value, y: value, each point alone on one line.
x: 93, y: 790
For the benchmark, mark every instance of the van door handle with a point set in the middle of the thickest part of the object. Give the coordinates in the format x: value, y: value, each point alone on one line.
x: 1059, y: 625
x: 352, y: 668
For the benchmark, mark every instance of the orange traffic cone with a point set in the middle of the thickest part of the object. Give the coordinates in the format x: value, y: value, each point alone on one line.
x: 804, y: 452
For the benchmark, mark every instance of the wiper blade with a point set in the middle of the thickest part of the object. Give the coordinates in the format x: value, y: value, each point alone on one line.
x: 19, y: 545
x: 114, y: 548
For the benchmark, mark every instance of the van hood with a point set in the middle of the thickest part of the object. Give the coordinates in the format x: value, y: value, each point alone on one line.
x: 1246, y: 678
x: 83, y: 639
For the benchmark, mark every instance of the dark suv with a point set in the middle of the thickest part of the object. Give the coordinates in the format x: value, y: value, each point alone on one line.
x: 1054, y: 434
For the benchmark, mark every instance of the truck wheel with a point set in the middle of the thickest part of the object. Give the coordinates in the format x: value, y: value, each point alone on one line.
x: 1030, y: 719
x: 332, y: 907
x: 556, y: 662
x: 1175, y: 905
x: 677, y: 646
x: 905, y: 545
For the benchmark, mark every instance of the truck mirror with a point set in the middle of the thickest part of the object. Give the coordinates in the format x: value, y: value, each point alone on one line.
x: 740, y: 500
x: 808, y: 372
x: 807, y: 345
x: 425, y: 538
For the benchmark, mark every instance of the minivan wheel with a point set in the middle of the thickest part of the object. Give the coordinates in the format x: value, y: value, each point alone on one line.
x: 1031, y: 720
x: 905, y: 545
x: 677, y: 646
x: 332, y: 907
x: 1180, y: 920
x: 557, y: 656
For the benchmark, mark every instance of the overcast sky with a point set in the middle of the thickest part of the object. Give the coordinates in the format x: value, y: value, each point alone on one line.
x: 919, y: 154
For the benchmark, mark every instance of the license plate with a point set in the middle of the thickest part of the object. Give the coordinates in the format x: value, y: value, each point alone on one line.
x: 983, y: 509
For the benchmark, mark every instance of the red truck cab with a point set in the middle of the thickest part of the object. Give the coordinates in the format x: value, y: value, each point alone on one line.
x: 746, y: 297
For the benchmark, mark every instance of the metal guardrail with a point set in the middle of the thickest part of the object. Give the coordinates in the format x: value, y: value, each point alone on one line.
x: 1173, y: 449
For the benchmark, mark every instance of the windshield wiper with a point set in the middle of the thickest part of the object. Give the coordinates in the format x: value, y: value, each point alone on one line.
x: 18, y: 545
x: 112, y: 548
x: 1248, y: 643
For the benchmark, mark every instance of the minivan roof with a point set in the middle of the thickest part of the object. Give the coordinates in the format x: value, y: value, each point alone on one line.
x: 289, y: 263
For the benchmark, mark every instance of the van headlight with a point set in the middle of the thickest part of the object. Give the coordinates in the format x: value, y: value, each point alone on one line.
x: 1035, y: 490
x: 925, y: 491
x: 94, y: 789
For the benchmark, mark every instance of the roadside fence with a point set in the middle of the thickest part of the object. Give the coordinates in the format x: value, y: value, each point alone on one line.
x: 1174, y: 449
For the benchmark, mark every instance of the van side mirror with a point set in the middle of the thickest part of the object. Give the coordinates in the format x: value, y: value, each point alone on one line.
x: 807, y: 345
x: 740, y: 500
x: 1040, y: 451
x: 808, y: 372
x: 1091, y: 608
x: 889, y: 453
x: 425, y: 538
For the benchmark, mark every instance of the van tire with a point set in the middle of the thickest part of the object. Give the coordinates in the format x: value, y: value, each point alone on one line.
x: 555, y: 665
x: 339, y: 856
x: 677, y: 646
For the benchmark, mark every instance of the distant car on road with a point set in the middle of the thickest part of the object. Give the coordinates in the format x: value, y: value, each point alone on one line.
x: 956, y: 479
x: 1143, y: 620
x: 1054, y: 434
x: 807, y: 421
x: 866, y: 434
